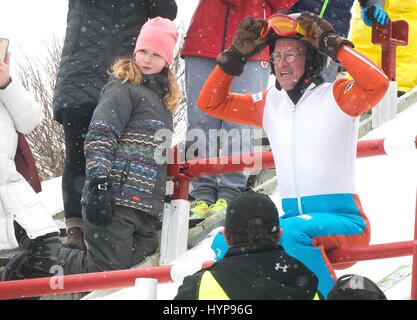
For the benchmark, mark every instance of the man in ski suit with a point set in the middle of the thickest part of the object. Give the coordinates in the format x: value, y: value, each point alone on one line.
x: 312, y: 128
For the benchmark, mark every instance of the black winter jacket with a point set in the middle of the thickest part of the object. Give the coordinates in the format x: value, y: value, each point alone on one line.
x: 255, y: 272
x: 337, y: 11
x: 126, y: 139
x: 99, y: 31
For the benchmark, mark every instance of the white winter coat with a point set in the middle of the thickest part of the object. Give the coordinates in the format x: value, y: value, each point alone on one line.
x: 18, y: 201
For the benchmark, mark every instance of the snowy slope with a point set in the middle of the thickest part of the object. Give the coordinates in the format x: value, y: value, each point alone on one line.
x: 387, y: 187
x: 51, y: 196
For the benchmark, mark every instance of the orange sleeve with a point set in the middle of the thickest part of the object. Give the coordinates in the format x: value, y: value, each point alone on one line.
x: 367, y: 88
x: 216, y: 100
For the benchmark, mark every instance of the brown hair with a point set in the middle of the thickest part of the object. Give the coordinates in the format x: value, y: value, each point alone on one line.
x: 125, y: 69
x: 254, y: 224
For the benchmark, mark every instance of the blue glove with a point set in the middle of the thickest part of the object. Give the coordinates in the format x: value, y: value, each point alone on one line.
x: 219, y: 246
x: 374, y: 13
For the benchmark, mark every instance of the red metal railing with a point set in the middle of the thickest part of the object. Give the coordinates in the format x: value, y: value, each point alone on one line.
x: 414, y: 269
x: 184, y: 172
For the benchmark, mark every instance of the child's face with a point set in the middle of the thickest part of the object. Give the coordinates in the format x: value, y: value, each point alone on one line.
x: 149, y: 62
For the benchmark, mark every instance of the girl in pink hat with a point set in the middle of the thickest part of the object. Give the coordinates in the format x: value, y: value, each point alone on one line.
x: 123, y: 195
x: 125, y: 185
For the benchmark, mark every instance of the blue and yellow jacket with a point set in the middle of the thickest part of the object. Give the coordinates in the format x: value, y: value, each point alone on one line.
x: 252, y: 272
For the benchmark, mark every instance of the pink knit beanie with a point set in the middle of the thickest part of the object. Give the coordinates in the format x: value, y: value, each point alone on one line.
x: 160, y: 35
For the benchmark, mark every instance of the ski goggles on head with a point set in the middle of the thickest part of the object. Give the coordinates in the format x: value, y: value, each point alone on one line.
x: 283, y: 25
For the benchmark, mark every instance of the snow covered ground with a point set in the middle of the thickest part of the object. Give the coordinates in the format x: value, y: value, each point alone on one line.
x: 387, y: 188
x: 51, y: 195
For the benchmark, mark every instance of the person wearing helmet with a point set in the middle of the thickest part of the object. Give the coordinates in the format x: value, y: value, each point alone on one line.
x: 312, y: 127
x: 338, y: 14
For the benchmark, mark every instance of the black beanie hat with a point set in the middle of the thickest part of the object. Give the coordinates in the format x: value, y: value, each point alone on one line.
x: 248, y: 205
x: 355, y: 287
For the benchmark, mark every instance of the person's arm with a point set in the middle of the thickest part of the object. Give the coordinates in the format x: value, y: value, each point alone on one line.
x: 163, y: 8
x: 304, y: 282
x: 24, y: 110
x: 367, y: 88
x: 373, y: 10
x: 216, y: 100
x: 108, y: 123
x: 369, y: 83
x: 368, y: 3
x: 189, y: 287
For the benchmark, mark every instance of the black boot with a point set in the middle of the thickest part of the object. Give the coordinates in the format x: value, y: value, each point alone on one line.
x: 16, y: 267
x: 40, y: 255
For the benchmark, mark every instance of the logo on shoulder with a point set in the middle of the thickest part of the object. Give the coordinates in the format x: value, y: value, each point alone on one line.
x: 264, y: 64
x: 348, y: 86
x: 278, y: 267
x: 256, y: 97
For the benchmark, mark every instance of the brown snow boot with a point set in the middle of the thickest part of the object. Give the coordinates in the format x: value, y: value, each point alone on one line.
x: 75, y: 239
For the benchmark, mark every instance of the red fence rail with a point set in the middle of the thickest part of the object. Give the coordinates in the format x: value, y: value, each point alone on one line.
x: 414, y: 269
x: 183, y: 173
x: 257, y: 161
x: 126, y: 278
